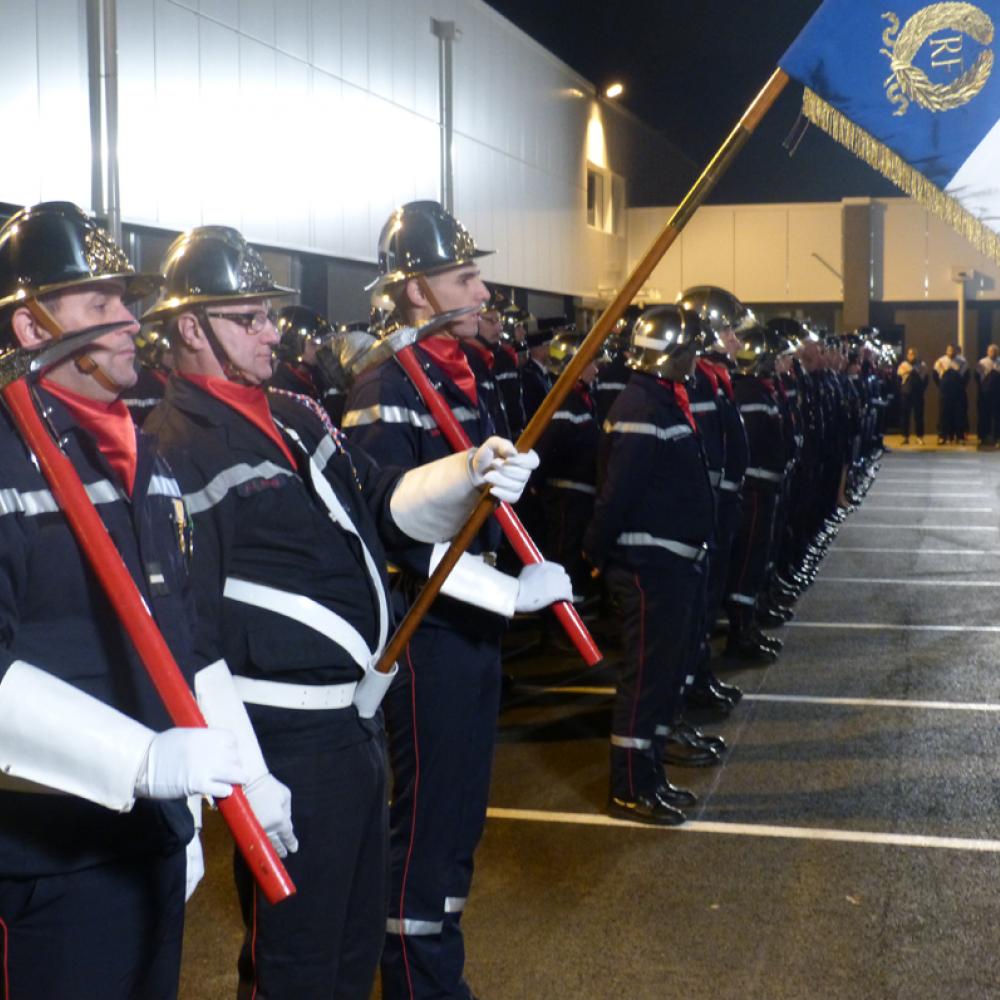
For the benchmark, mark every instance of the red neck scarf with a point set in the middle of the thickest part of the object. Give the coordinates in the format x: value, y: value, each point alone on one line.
x: 109, y: 424
x: 448, y: 355
x: 681, y: 399
x: 583, y: 390
x: 510, y: 352
x: 302, y: 373
x: 727, y: 383
x: 708, y: 370
x: 249, y: 401
x: 484, y: 351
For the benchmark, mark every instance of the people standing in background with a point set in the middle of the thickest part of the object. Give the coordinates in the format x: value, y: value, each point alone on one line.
x: 988, y: 378
x: 951, y: 372
x: 913, y: 379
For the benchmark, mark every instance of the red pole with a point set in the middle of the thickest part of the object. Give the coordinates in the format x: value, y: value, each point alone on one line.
x: 125, y: 598
x: 511, y: 524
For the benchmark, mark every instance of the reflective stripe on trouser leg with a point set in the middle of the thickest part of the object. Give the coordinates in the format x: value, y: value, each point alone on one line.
x: 657, y: 621
x: 749, y: 560
x: 441, y: 718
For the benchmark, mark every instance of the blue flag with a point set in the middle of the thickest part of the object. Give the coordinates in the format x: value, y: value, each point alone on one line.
x: 911, y: 87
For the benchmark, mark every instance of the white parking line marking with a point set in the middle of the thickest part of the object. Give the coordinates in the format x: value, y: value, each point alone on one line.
x: 935, y: 507
x: 908, y: 582
x: 887, y: 627
x: 919, y: 552
x: 755, y: 830
x: 922, y: 527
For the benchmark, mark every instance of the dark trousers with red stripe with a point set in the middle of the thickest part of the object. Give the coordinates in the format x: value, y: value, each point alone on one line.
x: 441, y: 716
x: 750, y: 557
x: 661, y: 614
x: 325, y: 941
x: 111, y: 932
x: 728, y: 515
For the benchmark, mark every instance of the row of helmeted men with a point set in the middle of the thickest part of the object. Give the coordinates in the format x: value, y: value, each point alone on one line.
x: 698, y: 468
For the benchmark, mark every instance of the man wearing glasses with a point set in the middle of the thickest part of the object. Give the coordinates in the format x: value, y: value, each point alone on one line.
x: 290, y: 578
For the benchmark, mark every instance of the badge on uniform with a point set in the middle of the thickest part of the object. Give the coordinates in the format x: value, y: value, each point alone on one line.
x: 185, y: 528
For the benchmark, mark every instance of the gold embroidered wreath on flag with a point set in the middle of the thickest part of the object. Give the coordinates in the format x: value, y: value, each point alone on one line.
x: 910, y: 83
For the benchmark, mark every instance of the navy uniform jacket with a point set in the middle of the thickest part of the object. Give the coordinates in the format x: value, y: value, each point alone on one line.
x: 53, y: 615
x: 145, y: 394
x: 535, y: 385
x: 737, y: 446
x: 309, y: 531
x: 487, y: 387
x: 386, y: 416
x: 568, y: 446
x: 765, y: 433
x: 508, y: 378
x: 706, y: 407
x: 611, y: 379
x: 653, y: 485
x: 308, y: 380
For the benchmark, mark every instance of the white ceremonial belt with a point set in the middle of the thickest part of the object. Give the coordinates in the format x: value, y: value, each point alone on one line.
x: 730, y: 486
x: 306, y: 612
x: 304, y: 696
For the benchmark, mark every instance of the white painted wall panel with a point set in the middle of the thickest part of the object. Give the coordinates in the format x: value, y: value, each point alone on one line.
x: 19, y: 104
x: 815, y: 253
x: 257, y: 20
x: 325, y: 35
x: 760, y: 253
x: 226, y: 12
x: 904, y: 257
x: 708, y: 250
x: 354, y: 42
x: 291, y: 27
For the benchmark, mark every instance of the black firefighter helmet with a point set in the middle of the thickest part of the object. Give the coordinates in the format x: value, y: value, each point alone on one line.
x: 665, y: 340
x: 421, y: 237
x: 54, y: 246
x: 299, y: 326
x: 717, y: 308
x: 760, y: 348
x: 212, y: 264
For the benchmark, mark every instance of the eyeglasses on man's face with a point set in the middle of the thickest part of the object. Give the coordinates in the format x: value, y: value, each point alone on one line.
x: 252, y: 322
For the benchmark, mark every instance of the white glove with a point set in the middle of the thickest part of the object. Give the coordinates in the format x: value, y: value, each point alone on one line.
x: 498, y: 462
x: 194, y: 870
x: 542, y: 584
x: 271, y: 802
x: 182, y: 762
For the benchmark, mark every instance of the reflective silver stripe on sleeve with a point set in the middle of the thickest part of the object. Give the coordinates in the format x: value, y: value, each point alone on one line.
x: 644, y: 538
x: 454, y: 904
x: 573, y: 418
x: 771, y: 477
x: 715, y: 476
x: 333, y: 391
x: 326, y: 449
x: 628, y: 743
x: 709, y: 407
x: 164, y: 486
x: 601, y: 386
x: 414, y: 928
x: 228, y: 479
x: 151, y: 401
x: 35, y: 502
x: 663, y: 433
x: 746, y: 599
x: 730, y: 486
x: 504, y: 376
x: 771, y: 411
x: 569, y: 484
x: 305, y: 611
x: 401, y: 415
x: 792, y: 393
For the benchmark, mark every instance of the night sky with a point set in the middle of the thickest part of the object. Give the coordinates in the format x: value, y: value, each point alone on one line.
x: 691, y: 68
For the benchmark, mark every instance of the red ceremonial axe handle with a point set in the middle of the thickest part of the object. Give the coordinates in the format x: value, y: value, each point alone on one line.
x: 511, y: 524
x: 159, y: 662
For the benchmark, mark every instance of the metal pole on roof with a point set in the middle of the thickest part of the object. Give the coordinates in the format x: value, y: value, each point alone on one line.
x: 446, y: 34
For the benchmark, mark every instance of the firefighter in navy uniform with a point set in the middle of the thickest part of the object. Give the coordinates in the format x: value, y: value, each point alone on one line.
x: 614, y: 373
x: 154, y: 362
x: 653, y: 521
x: 98, y: 838
x: 568, y: 470
x: 751, y: 553
x: 442, y: 709
x: 303, y: 332
x: 536, y: 380
x: 721, y: 314
x: 289, y: 572
x: 483, y: 353
x: 507, y: 370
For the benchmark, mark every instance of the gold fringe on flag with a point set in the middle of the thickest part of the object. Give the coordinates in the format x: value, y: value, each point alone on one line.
x: 865, y: 146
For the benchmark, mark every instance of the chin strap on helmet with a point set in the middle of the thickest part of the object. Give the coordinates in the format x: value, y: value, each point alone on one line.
x: 231, y: 370
x: 85, y: 364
